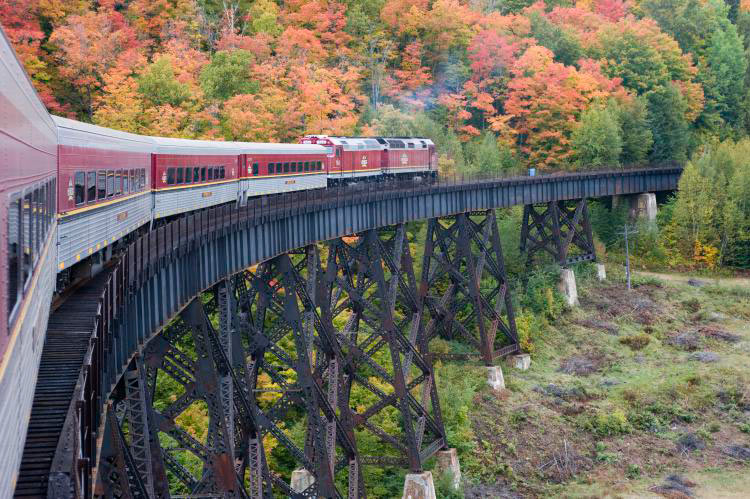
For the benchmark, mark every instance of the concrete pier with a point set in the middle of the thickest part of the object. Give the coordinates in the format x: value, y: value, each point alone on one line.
x: 644, y: 206
x: 568, y: 287
x: 419, y: 486
x: 447, y: 462
x: 521, y: 361
x: 495, y: 378
x: 301, y: 480
x: 601, y: 272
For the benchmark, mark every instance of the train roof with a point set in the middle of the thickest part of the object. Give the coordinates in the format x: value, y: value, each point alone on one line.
x: 79, y: 134
x: 353, y: 143
x: 165, y: 145
x: 260, y: 148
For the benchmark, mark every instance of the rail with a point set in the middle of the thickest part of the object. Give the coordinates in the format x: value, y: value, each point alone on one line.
x: 108, y: 352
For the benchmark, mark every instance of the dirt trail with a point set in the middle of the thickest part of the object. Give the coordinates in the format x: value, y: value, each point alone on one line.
x: 682, y: 278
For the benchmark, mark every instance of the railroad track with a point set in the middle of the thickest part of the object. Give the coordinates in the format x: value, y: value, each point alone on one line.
x: 68, y: 332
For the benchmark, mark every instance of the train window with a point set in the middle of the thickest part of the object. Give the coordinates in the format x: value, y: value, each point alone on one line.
x: 28, y: 230
x: 338, y: 152
x: 42, y: 204
x: 196, y: 174
x: 411, y: 146
x: 132, y: 181
x: 125, y: 182
x: 143, y: 178
x: 270, y: 168
x: 14, y: 253
x: 255, y: 169
x: 91, y: 186
x: 118, y: 183
x: 52, y: 198
x: 320, y: 165
x: 170, y: 176
x: 80, y: 188
x: 203, y: 174
x: 286, y: 167
x: 101, y: 184
x: 36, y: 222
x: 307, y: 166
x: 110, y: 183
x: 179, y: 175
x: 210, y: 174
x: 294, y: 166
x: 188, y: 175
x: 223, y: 172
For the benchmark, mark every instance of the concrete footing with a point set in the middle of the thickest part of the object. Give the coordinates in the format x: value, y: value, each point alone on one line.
x: 645, y: 206
x: 601, y: 272
x: 447, y: 462
x: 568, y: 287
x: 495, y: 378
x: 521, y: 361
x: 419, y: 486
x: 301, y: 480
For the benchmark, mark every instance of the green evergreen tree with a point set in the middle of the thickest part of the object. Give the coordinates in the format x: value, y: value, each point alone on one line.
x: 227, y: 75
x: 486, y: 157
x: 597, y: 141
x: 566, y: 47
x: 726, y: 61
x: 637, y: 138
x: 666, y: 118
x: 159, y: 86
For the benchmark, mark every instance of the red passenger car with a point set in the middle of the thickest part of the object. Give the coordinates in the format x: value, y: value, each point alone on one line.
x: 28, y: 162
x: 193, y: 174
x: 103, y: 188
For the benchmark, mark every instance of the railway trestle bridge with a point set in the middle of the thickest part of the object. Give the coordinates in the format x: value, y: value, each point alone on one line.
x: 241, y: 312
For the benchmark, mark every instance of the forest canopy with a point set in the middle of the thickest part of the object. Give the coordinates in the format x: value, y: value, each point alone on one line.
x: 496, y: 83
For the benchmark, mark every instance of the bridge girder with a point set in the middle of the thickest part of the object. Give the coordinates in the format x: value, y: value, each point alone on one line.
x: 556, y: 228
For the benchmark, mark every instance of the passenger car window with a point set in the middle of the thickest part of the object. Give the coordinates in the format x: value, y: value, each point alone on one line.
x: 221, y: 172
x: 170, y: 176
x: 270, y: 168
x: 179, y: 175
x: 118, y: 182
x: 102, y: 184
x: 14, y: 253
x: 91, y: 184
x: 110, y: 183
x: 80, y: 188
x: 286, y: 167
x: 28, y: 240
x: 255, y: 169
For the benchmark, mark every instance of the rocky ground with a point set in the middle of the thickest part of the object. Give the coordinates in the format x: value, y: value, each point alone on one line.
x: 641, y: 393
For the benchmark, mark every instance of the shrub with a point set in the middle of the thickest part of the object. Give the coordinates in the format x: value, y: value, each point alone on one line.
x: 608, y: 424
x: 637, y: 341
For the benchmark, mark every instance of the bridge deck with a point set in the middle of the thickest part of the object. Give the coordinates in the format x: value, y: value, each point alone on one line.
x: 68, y: 332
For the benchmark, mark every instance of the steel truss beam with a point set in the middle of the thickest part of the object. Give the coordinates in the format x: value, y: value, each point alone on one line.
x: 556, y: 228
x: 370, y: 286
x: 464, y: 284
x: 256, y: 359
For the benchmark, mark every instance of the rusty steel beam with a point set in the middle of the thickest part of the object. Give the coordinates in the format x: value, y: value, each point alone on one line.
x: 465, y: 287
x: 556, y: 228
x: 370, y: 287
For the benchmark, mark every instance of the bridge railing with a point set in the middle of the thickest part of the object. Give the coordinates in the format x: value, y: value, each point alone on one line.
x: 109, y: 354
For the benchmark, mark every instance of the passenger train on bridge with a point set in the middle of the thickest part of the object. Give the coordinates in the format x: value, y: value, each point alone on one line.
x: 72, y: 193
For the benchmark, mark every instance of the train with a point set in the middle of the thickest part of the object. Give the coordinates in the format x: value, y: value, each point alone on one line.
x: 110, y: 183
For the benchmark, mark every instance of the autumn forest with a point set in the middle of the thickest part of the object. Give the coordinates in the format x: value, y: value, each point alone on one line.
x: 496, y: 83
